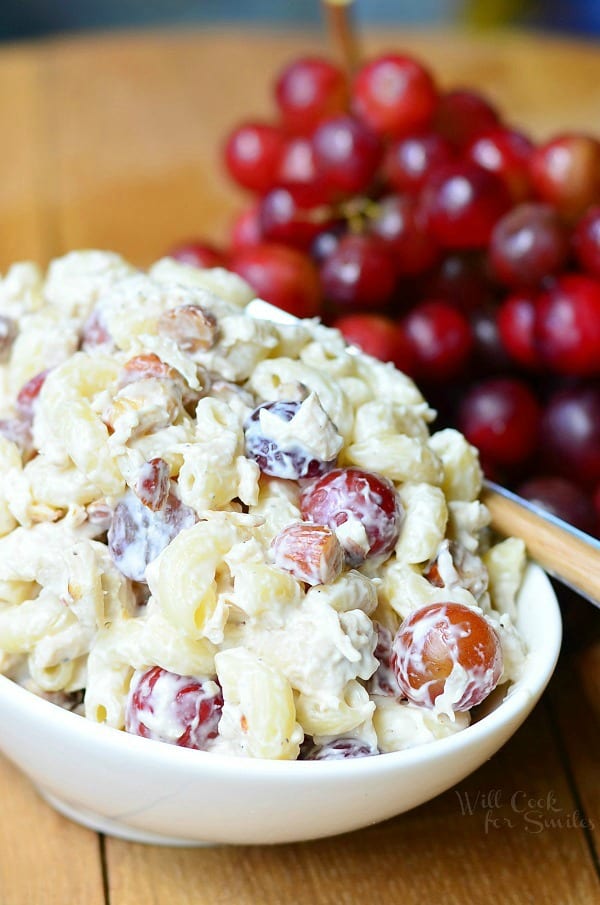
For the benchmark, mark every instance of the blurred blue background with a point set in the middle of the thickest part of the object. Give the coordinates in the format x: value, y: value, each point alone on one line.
x: 34, y: 18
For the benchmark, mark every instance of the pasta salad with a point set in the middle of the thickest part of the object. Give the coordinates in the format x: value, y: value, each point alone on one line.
x: 234, y: 534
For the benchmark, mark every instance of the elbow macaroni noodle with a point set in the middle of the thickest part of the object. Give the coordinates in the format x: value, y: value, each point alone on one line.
x: 292, y: 661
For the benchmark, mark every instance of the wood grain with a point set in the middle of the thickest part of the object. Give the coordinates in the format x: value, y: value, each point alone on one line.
x: 113, y: 142
x: 433, y: 854
x: 45, y: 859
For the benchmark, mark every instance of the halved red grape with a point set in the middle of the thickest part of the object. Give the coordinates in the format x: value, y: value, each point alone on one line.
x: 383, y: 681
x: 351, y: 494
x: 292, y: 459
x: 339, y: 749
x: 137, y: 534
x: 438, y: 638
x: 179, y: 710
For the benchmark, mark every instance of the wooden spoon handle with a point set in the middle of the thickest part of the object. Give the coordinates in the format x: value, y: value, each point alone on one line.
x: 565, y: 552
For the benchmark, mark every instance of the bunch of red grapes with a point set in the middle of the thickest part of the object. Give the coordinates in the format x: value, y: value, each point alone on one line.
x: 436, y: 236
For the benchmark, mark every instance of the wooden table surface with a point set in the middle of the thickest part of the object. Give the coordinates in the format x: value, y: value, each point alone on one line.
x: 113, y: 142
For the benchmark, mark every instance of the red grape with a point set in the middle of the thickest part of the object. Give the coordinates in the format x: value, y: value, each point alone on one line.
x: 489, y: 354
x: 282, y: 276
x: 359, y: 273
x: 570, y: 433
x: 462, y: 202
x: 253, y: 154
x: 379, y: 336
x: 246, y: 229
x: 440, y: 337
x: 462, y: 115
x: 326, y: 242
x: 432, y: 641
x: 293, y: 215
x: 394, y: 95
x: 507, y: 153
x: 461, y: 278
x: 516, y: 324
x: 199, y: 254
x: 567, y: 325
x: 347, y: 154
x: 351, y: 494
x: 586, y: 241
x: 409, y: 160
x: 297, y: 165
x: 309, y: 90
x: 566, y: 173
x: 528, y: 244
x: 399, y: 222
x: 180, y: 710
x: 500, y: 416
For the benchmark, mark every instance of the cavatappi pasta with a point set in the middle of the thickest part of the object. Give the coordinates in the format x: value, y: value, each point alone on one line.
x: 189, y: 547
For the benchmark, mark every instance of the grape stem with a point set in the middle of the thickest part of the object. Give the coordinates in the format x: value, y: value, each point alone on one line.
x: 342, y: 32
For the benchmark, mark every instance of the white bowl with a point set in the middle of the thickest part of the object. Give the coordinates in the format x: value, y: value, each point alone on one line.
x: 149, y: 791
